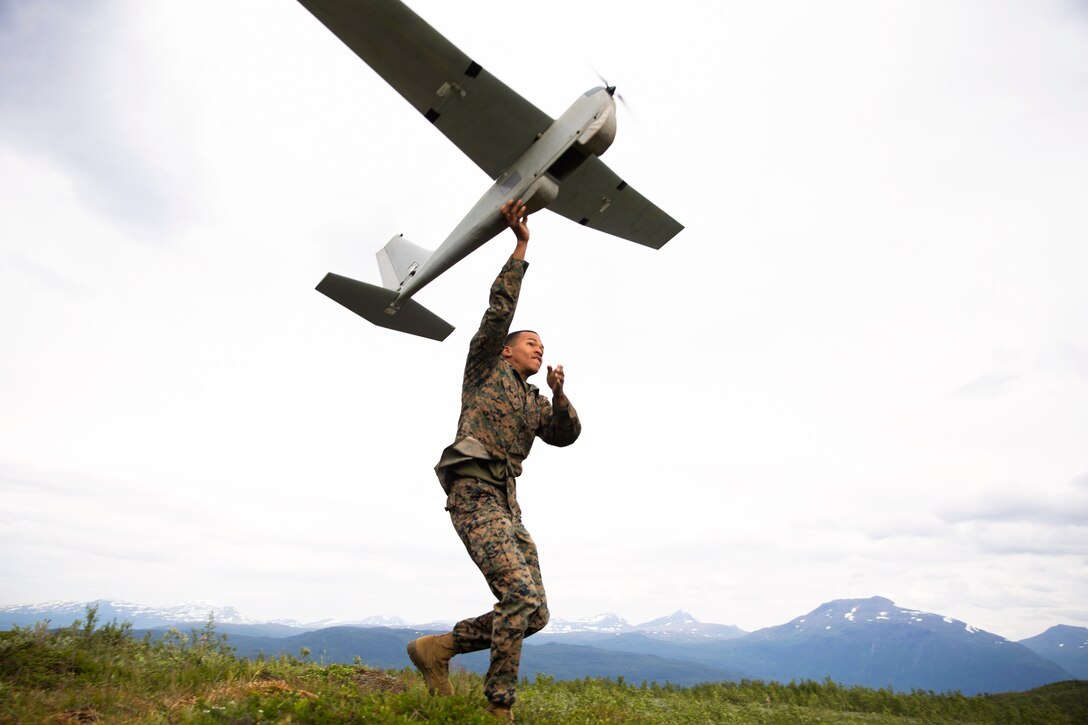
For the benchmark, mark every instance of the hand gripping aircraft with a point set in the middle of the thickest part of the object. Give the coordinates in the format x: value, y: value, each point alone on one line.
x: 549, y: 163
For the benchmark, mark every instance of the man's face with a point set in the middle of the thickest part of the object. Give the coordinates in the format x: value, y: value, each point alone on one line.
x: 525, y: 353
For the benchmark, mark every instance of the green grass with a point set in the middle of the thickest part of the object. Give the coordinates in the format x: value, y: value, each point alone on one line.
x: 91, y: 673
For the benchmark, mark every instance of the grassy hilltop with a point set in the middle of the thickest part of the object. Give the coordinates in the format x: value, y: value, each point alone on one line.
x: 88, y: 673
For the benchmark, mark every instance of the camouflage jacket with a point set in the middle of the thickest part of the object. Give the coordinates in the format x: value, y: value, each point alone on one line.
x: 501, y: 413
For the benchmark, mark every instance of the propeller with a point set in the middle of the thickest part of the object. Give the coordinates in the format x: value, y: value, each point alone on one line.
x: 618, y: 96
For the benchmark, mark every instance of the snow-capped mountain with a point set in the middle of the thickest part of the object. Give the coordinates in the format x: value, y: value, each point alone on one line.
x: 227, y: 618
x: 681, y: 626
x: 873, y: 642
x: 61, y: 614
x: 853, y: 613
x: 379, y: 620
x: 678, y: 626
x: 607, y: 623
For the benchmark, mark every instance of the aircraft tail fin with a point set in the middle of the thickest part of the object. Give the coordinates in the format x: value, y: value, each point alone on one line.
x: 399, y: 259
x: 375, y: 304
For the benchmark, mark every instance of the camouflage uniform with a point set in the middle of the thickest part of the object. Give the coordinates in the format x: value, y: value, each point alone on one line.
x: 501, y: 415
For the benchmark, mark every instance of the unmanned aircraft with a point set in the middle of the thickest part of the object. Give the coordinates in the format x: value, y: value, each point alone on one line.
x: 548, y: 163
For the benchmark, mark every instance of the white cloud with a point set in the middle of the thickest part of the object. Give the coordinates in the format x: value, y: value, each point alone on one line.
x: 987, y: 385
x: 77, y: 97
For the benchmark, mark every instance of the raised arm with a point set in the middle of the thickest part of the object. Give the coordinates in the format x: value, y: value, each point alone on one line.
x: 517, y: 219
x: 488, y: 341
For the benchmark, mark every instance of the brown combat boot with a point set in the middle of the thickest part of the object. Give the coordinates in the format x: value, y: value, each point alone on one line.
x: 431, y: 654
x: 500, y: 712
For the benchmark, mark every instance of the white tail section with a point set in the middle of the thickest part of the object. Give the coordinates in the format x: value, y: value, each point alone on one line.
x: 398, y: 260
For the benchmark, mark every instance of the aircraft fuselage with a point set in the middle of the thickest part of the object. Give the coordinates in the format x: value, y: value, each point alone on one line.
x: 586, y: 128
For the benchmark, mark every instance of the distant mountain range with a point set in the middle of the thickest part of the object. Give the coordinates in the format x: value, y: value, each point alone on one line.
x: 870, y: 642
x: 679, y: 625
x: 227, y: 618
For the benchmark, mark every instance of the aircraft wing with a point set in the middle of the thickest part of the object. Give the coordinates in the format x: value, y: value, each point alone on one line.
x: 593, y: 195
x: 483, y: 117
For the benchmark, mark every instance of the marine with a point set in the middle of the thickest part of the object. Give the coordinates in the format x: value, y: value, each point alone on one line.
x: 502, y: 414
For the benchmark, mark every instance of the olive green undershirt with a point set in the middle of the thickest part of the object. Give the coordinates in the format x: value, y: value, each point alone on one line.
x: 484, y: 470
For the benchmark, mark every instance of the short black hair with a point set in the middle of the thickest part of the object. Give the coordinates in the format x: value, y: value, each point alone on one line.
x: 513, y: 336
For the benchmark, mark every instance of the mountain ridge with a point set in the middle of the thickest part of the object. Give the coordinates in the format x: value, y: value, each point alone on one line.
x: 677, y: 624
x: 199, y: 612
x: 869, y: 642
x: 1064, y: 644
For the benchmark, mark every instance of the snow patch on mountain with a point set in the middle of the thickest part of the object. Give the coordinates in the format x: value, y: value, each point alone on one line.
x: 679, y: 625
x: 607, y: 623
x: 876, y: 611
x: 141, y: 615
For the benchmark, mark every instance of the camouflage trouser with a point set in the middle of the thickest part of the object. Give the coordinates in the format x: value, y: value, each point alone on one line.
x: 490, y: 527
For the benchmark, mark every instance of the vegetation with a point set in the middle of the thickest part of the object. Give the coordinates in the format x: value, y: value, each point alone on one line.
x: 100, y: 673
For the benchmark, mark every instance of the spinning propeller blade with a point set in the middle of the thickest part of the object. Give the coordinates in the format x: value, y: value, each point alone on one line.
x: 615, y: 94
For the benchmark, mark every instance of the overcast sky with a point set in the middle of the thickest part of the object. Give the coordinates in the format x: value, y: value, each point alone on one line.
x: 861, y: 369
